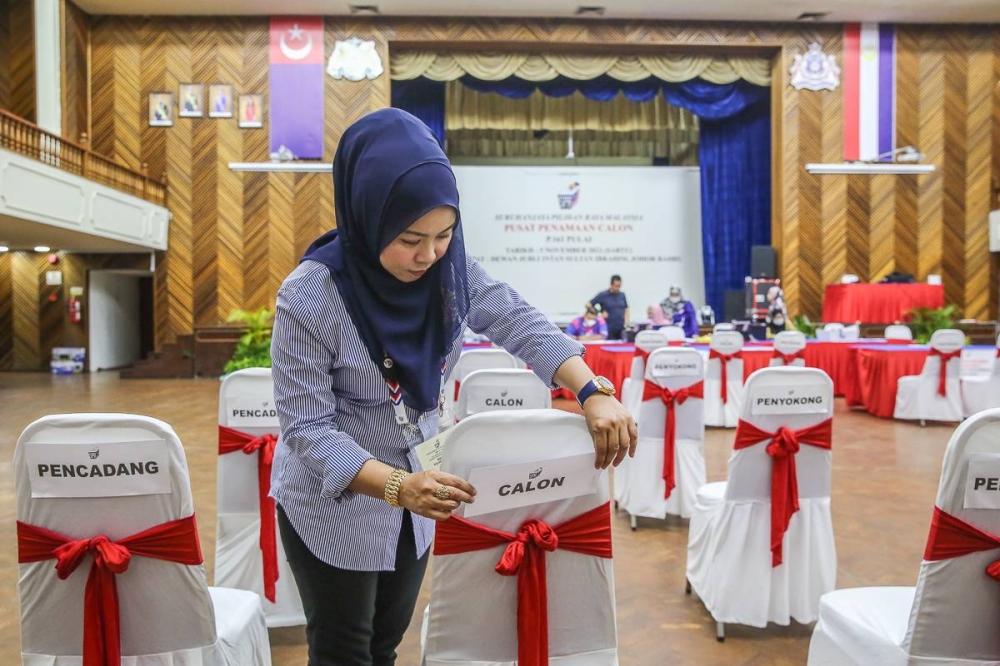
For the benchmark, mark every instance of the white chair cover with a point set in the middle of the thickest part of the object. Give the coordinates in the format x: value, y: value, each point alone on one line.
x: 472, y: 617
x: 492, y: 390
x: 851, y: 333
x: 640, y: 491
x: 469, y: 362
x: 169, y: 617
x: 238, y: 560
x: 951, y: 616
x: 729, y: 557
x: 789, y: 342
x: 832, y: 332
x: 898, y: 332
x: 647, y: 341
x: 723, y: 326
x: 718, y: 413
x: 674, y: 334
x: 833, y: 327
x: 917, y: 396
x: 980, y: 393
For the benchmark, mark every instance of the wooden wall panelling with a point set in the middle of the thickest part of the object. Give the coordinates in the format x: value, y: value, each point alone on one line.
x: 810, y: 208
x: 953, y: 167
x: 309, y: 218
x: 281, y: 257
x: 229, y: 253
x: 6, y: 311
x: 931, y: 142
x: 978, y: 172
x: 4, y: 50
x: 995, y: 198
x: 20, y: 54
x: 204, y: 182
x: 27, y: 335
x: 255, y: 190
x: 76, y: 30
x: 906, y: 238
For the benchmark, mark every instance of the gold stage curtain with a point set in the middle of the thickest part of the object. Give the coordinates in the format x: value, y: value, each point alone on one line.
x: 490, y: 125
x: 547, y: 66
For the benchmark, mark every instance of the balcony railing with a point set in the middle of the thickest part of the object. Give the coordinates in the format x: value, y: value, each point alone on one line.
x: 25, y: 138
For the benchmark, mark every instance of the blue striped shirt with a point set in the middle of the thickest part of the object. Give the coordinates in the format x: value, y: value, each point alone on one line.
x: 335, y: 412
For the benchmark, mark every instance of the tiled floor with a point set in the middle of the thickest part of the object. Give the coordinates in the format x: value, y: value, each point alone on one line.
x: 884, y: 481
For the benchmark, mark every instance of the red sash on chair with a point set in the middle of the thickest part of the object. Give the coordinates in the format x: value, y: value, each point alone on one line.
x: 953, y: 537
x: 943, y: 374
x: 587, y: 534
x: 898, y: 341
x: 782, y: 448
x: 233, y: 440
x: 174, y: 541
x: 724, y: 360
x: 670, y: 399
x: 644, y: 355
x: 788, y: 358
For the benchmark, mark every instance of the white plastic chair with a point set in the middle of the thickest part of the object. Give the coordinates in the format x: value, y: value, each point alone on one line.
x: 788, y: 343
x: 674, y: 335
x: 580, y: 588
x: 238, y: 555
x: 645, y: 342
x: 729, y: 559
x: 723, y: 326
x: 492, y: 390
x: 899, y: 333
x: 918, y: 397
x: 168, y: 615
x: 851, y: 333
x: 982, y: 392
x: 642, y: 490
x: 469, y: 362
x: 831, y: 332
x: 951, y: 615
x: 719, y: 413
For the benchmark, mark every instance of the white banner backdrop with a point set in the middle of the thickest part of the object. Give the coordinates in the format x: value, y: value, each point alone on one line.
x: 557, y: 234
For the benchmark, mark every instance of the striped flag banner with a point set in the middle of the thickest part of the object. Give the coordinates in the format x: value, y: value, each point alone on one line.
x: 869, y: 91
x: 296, y: 85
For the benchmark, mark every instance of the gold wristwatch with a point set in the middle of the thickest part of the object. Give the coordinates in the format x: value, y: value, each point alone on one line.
x: 392, y: 484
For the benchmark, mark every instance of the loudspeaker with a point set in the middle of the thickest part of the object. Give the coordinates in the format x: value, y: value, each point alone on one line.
x: 734, y: 309
x: 763, y: 262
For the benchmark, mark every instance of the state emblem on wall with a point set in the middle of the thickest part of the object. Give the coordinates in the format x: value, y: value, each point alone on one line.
x: 355, y: 60
x: 815, y: 70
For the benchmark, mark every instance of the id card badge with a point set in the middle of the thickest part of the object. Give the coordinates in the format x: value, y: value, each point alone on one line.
x: 430, y: 453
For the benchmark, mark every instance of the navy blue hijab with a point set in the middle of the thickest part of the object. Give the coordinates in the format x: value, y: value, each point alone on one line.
x: 388, y: 172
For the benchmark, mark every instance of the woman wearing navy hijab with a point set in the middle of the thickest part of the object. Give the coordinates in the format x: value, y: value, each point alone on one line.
x: 366, y: 329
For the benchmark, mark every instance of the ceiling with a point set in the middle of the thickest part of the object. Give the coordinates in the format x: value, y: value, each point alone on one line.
x: 21, y: 234
x: 840, y: 11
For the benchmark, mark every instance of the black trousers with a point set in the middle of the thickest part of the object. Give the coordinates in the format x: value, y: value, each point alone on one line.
x: 615, y: 333
x: 354, y: 618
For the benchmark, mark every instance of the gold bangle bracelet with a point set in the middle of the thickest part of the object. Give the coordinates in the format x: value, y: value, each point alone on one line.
x: 392, y: 485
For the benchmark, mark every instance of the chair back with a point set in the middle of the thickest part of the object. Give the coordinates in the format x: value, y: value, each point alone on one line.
x: 955, y: 608
x: 673, y: 368
x: 851, y: 333
x: 492, y: 390
x: 946, y: 341
x: 580, y: 588
x: 792, y: 397
x: 723, y: 326
x: 674, y: 335
x: 141, y: 481
x: 246, y: 403
x: 726, y: 341
x: 898, y: 333
x: 789, y: 342
x: 647, y: 341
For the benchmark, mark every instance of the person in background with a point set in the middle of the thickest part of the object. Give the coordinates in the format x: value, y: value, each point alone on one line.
x: 682, y: 311
x: 777, y: 313
x: 589, y: 326
x: 656, y: 317
x: 614, y: 305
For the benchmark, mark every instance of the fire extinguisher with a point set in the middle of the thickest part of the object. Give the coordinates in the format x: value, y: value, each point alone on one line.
x: 75, y: 310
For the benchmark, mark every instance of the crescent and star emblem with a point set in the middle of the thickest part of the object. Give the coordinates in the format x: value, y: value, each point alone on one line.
x: 299, y: 53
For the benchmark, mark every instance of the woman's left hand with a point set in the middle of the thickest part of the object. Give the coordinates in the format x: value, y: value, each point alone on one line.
x: 612, y: 428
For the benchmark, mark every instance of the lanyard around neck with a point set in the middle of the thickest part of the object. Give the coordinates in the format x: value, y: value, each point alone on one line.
x: 396, y: 395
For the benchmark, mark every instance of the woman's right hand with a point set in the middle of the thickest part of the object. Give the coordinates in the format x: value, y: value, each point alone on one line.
x: 416, y: 493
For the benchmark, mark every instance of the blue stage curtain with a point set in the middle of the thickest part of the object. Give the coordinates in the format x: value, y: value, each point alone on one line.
x: 424, y: 99
x: 734, y: 153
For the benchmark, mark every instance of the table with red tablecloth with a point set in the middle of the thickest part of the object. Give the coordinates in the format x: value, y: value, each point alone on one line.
x: 878, y: 303
x: 878, y: 369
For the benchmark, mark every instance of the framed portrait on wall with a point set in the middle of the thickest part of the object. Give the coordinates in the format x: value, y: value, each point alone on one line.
x: 251, y: 111
x: 220, y: 100
x: 161, y: 109
x: 192, y: 100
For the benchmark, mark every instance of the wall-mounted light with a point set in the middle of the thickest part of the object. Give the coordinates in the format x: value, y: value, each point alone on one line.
x: 42, y: 248
x: 4, y: 247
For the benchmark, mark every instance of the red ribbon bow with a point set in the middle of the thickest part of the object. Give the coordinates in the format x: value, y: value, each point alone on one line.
x: 644, y: 355
x: 670, y: 398
x: 788, y: 358
x: 587, y: 534
x: 174, y: 541
x: 233, y: 440
x: 943, y: 374
x: 953, y: 537
x: 782, y: 447
x: 724, y: 360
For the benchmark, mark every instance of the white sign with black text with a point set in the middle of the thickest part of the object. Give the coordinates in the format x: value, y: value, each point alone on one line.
x: 115, y: 469
x: 251, y: 411
x: 504, y: 487
x: 982, y: 484
x: 789, y: 400
x: 674, y: 368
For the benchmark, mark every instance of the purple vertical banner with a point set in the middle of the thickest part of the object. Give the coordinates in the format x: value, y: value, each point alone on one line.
x: 296, y: 90
x: 886, y: 90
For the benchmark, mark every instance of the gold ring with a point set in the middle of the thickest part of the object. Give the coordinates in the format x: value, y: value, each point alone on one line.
x: 443, y: 493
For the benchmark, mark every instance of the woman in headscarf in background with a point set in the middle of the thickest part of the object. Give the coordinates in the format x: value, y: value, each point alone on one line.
x: 366, y: 329
x: 656, y: 317
x: 777, y: 313
x: 681, y: 312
